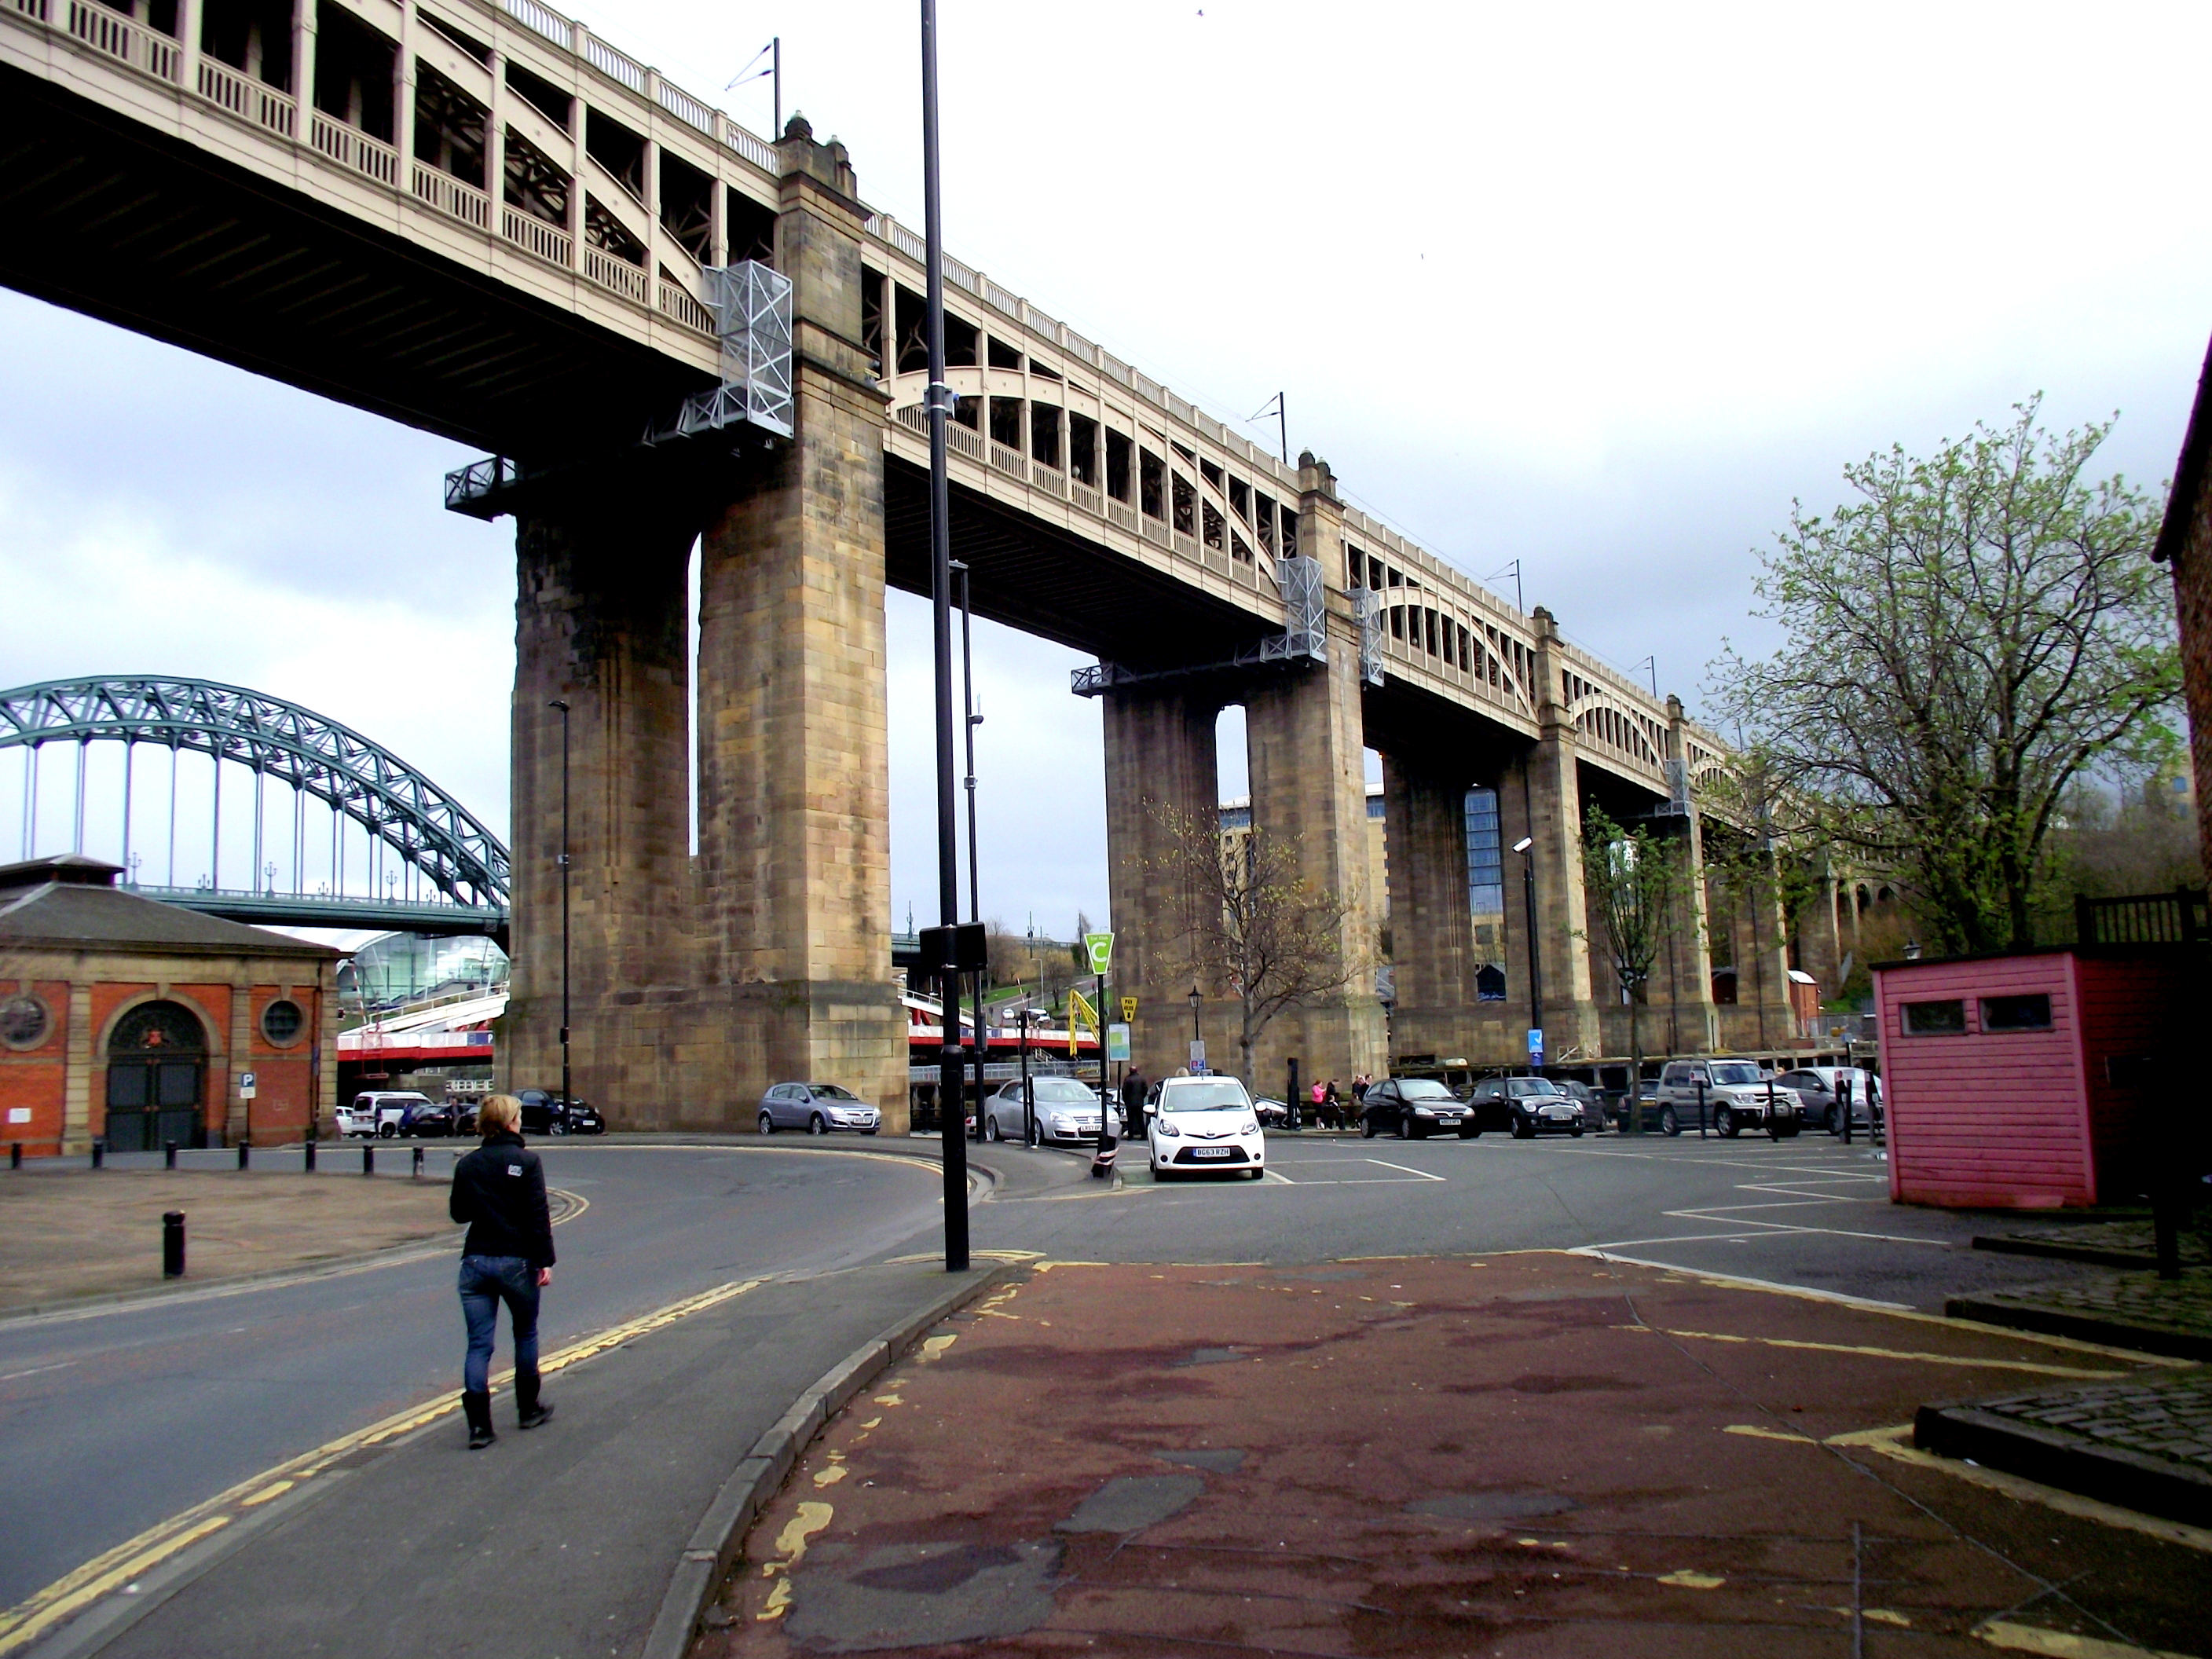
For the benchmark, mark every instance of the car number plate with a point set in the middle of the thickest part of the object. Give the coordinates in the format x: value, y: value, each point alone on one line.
x: 1211, y: 1152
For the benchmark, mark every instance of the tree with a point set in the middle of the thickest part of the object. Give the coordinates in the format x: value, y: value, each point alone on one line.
x: 1961, y: 644
x: 1632, y: 880
x: 1247, y: 926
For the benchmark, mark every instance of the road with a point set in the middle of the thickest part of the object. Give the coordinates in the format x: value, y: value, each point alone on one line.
x: 114, y: 1418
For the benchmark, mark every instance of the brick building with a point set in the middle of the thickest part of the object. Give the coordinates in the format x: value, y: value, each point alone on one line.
x: 2184, y: 542
x: 131, y: 1021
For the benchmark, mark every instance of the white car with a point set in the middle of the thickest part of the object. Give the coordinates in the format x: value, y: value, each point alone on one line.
x: 1203, y: 1123
x: 352, y: 1121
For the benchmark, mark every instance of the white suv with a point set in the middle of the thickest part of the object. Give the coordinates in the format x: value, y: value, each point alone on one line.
x: 1737, y: 1095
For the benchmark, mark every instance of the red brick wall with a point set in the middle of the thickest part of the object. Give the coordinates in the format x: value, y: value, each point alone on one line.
x: 35, y: 1081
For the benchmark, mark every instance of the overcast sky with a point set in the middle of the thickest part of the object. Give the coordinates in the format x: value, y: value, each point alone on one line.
x: 1598, y: 288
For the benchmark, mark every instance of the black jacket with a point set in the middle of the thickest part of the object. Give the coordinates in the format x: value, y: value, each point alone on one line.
x: 499, y: 1189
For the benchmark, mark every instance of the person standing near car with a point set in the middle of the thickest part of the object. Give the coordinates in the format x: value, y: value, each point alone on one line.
x: 499, y: 1191
x: 1134, y: 1086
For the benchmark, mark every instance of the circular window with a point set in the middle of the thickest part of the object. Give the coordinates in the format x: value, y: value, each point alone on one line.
x: 24, y: 1022
x: 281, y: 1022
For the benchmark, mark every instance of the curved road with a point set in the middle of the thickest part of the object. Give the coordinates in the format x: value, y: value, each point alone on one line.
x: 112, y: 1419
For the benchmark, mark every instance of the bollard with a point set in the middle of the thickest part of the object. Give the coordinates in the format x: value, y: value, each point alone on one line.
x: 173, y: 1244
x: 99, y: 1154
x: 168, y: 1154
x: 14, y: 1154
x: 1843, y: 1106
x: 245, y: 1152
x: 1701, y: 1108
x: 418, y: 1171
x: 311, y: 1158
x: 368, y: 1160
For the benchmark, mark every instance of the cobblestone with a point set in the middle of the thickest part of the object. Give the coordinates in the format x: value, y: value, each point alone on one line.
x: 2168, y: 1418
x: 2132, y: 1298
x: 2131, y: 1235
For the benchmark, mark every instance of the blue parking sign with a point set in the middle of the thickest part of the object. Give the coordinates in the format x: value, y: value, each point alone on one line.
x: 1536, y: 1047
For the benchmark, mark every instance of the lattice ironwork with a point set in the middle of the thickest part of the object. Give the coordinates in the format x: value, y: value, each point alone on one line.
x: 1305, y: 621
x: 367, y: 783
x: 1367, y: 605
x: 752, y: 306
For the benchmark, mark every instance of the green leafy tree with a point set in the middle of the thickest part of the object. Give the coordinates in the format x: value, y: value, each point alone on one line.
x: 1962, y: 643
x: 1632, y: 880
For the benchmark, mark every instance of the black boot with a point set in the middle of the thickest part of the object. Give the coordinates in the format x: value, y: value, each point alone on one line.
x: 475, y: 1405
x: 528, y: 1409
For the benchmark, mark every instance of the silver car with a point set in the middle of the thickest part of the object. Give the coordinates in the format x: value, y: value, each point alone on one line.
x: 1066, y: 1112
x: 816, y: 1108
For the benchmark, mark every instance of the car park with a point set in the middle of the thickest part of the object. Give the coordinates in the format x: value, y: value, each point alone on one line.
x: 1816, y: 1086
x: 548, y: 1112
x: 816, y: 1108
x: 1732, y: 1096
x: 1066, y: 1112
x: 1525, y: 1107
x: 1202, y: 1124
x: 1413, y: 1108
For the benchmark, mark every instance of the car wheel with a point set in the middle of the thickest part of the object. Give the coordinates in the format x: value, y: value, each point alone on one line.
x: 767, y: 1124
x: 1724, y: 1120
x: 559, y: 1126
x: 1256, y: 1175
x: 388, y: 1131
x: 1367, y: 1129
x: 991, y: 1129
x: 1405, y: 1127
x: 1829, y: 1122
x: 817, y: 1124
x: 1467, y: 1131
x: 1575, y: 1130
x: 1668, y: 1123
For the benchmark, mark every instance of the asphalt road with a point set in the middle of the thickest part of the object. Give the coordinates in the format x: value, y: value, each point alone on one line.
x: 112, y: 1419
x: 1807, y: 1212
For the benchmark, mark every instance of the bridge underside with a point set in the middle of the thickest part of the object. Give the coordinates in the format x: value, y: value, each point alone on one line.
x: 107, y: 216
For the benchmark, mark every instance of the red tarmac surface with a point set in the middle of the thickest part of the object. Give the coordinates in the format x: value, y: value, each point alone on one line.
x: 1529, y: 1454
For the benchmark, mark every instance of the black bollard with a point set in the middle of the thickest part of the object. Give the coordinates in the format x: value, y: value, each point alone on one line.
x: 99, y: 1154
x: 368, y: 1160
x: 311, y: 1158
x: 1843, y: 1106
x: 1701, y: 1108
x: 418, y: 1161
x: 168, y: 1154
x: 14, y: 1154
x: 245, y: 1152
x: 173, y: 1244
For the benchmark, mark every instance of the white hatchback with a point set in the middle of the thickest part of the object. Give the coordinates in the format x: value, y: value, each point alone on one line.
x: 1204, y: 1123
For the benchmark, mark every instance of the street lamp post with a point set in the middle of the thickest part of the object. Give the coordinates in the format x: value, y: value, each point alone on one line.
x: 975, y: 881
x: 561, y: 704
x: 1197, y: 1002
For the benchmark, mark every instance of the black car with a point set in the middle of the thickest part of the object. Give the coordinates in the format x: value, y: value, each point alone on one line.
x: 1413, y: 1108
x: 430, y: 1119
x: 548, y: 1112
x: 1524, y: 1106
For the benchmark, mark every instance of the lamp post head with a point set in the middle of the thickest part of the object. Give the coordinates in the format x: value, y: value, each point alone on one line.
x: 1197, y: 998
x: 560, y: 703
x: 1524, y: 843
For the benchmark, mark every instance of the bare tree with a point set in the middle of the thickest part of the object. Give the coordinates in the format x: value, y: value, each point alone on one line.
x: 1248, y: 925
x: 1962, y: 644
x: 1633, y: 879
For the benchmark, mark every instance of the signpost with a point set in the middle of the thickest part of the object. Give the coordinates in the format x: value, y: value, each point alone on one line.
x: 1536, y: 1047
x: 1117, y: 1044
x: 1128, y: 1011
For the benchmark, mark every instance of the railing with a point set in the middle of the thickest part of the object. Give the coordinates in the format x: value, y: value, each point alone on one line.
x: 104, y: 31
x: 478, y: 479
x: 685, y: 108
x: 1156, y: 531
x: 677, y: 301
x: 609, y: 62
x: 995, y: 295
x: 1011, y: 461
x: 2175, y: 918
x: 759, y: 151
x: 543, y: 19
x: 1123, y: 517
x: 351, y: 147
x: 533, y: 235
x: 450, y: 196
x: 249, y: 101
x: 619, y: 275
x: 1089, y: 500
x: 1043, y: 478
x: 909, y: 243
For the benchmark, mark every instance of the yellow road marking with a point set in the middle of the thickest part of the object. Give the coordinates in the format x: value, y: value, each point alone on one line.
x: 74, y: 1591
x: 934, y: 1347
x: 2028, y: 1638
x: 1758, y: 1433
x: 1879, y: 1354
x: 1689, y: 1578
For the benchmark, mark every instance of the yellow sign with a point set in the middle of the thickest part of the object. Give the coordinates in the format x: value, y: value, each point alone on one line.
x: 1128, y: 1009
x: 1079, y: 1013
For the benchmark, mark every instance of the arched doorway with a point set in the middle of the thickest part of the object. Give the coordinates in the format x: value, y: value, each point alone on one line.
x: 157, y: 1076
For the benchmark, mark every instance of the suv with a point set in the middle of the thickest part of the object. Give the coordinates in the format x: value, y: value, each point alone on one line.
x: 1413, y: 1109
x: 1526, y: 1105
x: 1738, y: 1094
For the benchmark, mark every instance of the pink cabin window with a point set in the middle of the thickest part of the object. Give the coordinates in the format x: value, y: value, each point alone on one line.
x: 1945, y: 1018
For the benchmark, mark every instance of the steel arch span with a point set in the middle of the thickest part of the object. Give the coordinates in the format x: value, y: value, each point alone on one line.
x: 365, y: 782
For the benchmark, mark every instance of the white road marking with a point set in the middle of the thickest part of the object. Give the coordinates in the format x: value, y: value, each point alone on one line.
x: 1384, y: 1163
x: 35, y: 1371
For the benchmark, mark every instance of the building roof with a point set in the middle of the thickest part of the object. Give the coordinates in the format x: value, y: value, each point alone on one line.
x: 2188, y: 472
x: 71, y: 902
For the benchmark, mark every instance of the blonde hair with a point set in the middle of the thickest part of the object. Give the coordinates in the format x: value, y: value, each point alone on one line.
x: 499, y: 1112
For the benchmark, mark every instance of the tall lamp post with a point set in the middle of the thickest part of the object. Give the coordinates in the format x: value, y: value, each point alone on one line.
x: 971, y: 720
x: 1526, y: 847
x: 561, y: 704
x: 1197, y: 1002
x: 938, y: 399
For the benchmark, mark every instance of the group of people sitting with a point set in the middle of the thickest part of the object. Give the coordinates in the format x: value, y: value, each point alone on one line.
x: 1332, y: 1109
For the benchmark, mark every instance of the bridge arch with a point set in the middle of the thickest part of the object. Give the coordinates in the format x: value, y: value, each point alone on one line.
x: 361, y: 782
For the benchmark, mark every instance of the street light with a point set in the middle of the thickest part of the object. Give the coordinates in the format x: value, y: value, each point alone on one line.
x: 1197, y: 1002
x: 1525, y: 847
x: 974, y: 880
x: 561, y: 704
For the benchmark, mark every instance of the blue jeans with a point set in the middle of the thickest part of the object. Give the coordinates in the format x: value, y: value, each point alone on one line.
x: 487, y: 1281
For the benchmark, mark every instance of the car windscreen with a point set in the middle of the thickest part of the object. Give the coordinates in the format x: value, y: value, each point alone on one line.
x: 1530, y: 1085
x: 1062, y: 1091
x: 831, y: 1092
x: 1739, y: 1072
x: 1227, y: 1095
x: 1422, y: 1089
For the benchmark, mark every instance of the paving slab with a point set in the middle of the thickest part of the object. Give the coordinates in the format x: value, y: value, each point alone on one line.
x: 2125, y: 1309
x: 1530, y: 1453
x: 2122, y: 1242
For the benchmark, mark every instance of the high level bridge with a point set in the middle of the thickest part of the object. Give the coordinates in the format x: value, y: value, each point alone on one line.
x: 476, y: 217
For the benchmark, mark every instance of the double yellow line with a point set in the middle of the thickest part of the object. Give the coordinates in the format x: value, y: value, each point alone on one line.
x: 71, y: 1594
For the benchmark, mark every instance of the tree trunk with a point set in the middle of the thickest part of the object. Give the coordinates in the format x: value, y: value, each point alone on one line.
x: 1634, y: 1121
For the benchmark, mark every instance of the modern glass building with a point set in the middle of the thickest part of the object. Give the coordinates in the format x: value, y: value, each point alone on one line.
x: 395, y: 969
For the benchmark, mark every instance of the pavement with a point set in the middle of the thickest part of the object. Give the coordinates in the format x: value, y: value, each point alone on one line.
x: 1528, y: 1453
x: 2134, y: 1310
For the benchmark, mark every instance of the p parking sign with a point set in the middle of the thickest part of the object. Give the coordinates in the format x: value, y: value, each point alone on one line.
x: 245, y: 1085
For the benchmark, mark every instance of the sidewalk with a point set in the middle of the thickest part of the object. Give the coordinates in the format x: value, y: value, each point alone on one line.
x: 2129, y: 1309
x: 1523, y: 1454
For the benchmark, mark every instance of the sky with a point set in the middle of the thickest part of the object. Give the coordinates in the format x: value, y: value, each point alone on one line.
x: 1600, y: 289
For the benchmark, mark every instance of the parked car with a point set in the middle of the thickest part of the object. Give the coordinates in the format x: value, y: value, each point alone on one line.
x: 1816, y: 1087
x: 1738, y: 1094
x: 816, y: 1108
x: 1524, y: 1106
x: 1066, y: 1111
x: 1591, y: 1101
x: 1413, y: 1109
x: 1271, y: 1114
x: 356, y: 1119
x: 388, y: 1111
x: 1204, y: 1123
x: 548, y: 1112
x: 431, y: 1119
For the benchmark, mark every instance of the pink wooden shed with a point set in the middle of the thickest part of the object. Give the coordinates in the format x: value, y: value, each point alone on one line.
x: 2029, y: 1080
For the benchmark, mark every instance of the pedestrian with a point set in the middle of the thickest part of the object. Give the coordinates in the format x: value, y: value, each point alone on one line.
x: 1132, y: 1102
x: 1332, y: 1106
x: 499, y: 1190
x: 1359, y: 1087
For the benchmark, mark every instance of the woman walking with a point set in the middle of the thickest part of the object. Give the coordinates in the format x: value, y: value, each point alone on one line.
x: 499, y: 1190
